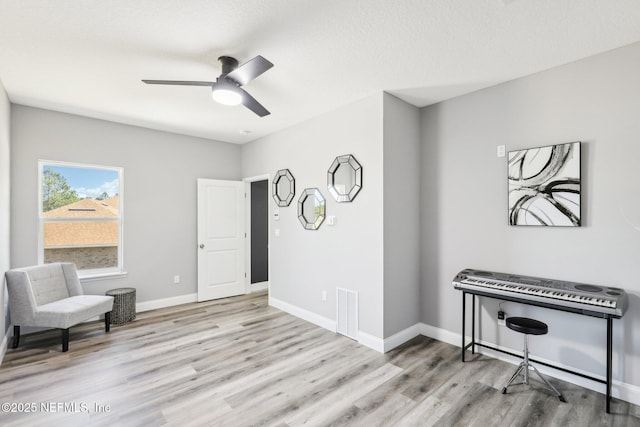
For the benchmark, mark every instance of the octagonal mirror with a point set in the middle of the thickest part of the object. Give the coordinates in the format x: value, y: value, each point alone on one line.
x: 283, y: 187
x: 344, y: 178
x: 311, y: 208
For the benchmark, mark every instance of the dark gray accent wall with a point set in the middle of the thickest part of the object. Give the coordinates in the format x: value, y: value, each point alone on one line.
x: 260, y: 231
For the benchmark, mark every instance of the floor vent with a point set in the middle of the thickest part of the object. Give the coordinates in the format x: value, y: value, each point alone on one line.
x: 347, y: 313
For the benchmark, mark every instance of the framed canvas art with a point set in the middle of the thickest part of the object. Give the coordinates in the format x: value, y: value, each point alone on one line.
x: 544, y: 186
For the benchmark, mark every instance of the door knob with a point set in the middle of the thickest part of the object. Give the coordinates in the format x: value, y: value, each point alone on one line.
x: 201, y: 245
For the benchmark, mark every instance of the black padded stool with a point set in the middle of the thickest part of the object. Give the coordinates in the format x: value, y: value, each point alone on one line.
x: 528, y: 327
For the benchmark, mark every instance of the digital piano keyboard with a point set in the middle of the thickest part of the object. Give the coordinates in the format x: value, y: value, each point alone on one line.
x: 591, y: 300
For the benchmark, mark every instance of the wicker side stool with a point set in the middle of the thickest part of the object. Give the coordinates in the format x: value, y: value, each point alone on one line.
x: 124, y: 305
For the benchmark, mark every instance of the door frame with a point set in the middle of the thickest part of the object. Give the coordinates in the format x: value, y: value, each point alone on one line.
x: 247, y: 190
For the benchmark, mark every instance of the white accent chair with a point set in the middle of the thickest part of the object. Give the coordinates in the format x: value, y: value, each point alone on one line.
x: 50, y: 295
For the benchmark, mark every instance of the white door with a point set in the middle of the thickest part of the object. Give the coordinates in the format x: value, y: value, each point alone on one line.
x: 221, y: 239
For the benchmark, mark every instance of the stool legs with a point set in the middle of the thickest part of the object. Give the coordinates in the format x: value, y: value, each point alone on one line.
x: 523, y: 368
x: 544, y: 380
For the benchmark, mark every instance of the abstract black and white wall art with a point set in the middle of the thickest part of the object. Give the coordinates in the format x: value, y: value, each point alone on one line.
x: 544, y: 186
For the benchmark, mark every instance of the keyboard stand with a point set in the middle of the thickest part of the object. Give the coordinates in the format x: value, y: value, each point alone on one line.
x: 474, y: 343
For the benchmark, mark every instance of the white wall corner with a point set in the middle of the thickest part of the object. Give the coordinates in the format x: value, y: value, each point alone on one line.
x: 402, y: 337
x: 371, y: 341
x: 407, y: 334
x: 303, y: 314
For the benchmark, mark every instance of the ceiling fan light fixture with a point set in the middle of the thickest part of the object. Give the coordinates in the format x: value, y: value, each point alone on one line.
x: 226, y: 95
x: 227, y: 89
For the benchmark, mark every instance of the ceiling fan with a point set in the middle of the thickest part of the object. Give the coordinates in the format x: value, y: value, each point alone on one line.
x: 227, y: 88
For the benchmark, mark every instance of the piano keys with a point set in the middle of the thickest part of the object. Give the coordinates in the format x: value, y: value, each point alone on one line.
x: 591, y: 300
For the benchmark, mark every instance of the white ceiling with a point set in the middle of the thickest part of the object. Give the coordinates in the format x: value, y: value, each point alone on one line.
x: 87, y: 57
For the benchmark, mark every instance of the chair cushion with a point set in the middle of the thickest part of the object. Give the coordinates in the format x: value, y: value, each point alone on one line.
x: 67, y: 312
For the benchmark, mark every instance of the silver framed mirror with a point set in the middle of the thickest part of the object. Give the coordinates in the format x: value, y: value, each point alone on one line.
x: 311, y: 208
x: 283, y: 187
x: 344, y: 178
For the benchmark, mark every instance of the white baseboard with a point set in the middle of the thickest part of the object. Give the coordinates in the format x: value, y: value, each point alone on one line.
x: 165, y: 302
x: 620, y: 390
x: 441, y: 334
x: 364, y: 338
x: 371, y: 341
x: 303, y: 314
x: 402, y: 337
x: 628, y: 392
x: 257, y: 287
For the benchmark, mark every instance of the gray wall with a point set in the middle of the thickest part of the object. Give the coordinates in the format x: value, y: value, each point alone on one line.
x: 402, y: 195
x: 160, y: 172
x: 464, y: 203
x: 5, y: 119
x: 350, y: 254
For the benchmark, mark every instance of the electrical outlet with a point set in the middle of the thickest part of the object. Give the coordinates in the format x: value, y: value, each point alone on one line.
x: 501, y: 317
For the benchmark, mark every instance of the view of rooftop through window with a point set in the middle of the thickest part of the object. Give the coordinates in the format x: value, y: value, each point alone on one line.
x: 81, y: 215
x: 64, y: 184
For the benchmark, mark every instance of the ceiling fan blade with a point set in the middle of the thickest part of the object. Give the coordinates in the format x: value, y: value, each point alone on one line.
x: 178, y: 82
x: 253, y: 105
x: 249, y: 70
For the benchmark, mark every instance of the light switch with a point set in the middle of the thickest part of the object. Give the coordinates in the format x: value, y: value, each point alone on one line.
x: 331, y: 220
x: 277, y: 232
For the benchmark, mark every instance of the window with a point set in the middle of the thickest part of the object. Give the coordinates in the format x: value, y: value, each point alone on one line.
x: 81, y: 217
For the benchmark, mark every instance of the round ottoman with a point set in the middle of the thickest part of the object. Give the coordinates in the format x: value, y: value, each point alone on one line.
x: 124, y: 305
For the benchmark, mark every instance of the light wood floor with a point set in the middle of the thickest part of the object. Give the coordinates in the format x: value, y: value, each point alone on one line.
x: 239, y: 362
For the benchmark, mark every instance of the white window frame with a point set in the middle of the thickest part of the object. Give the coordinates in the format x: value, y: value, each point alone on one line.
x: 92, y: 274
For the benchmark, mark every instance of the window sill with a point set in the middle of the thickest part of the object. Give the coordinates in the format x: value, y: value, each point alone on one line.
x: 102, y: 276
